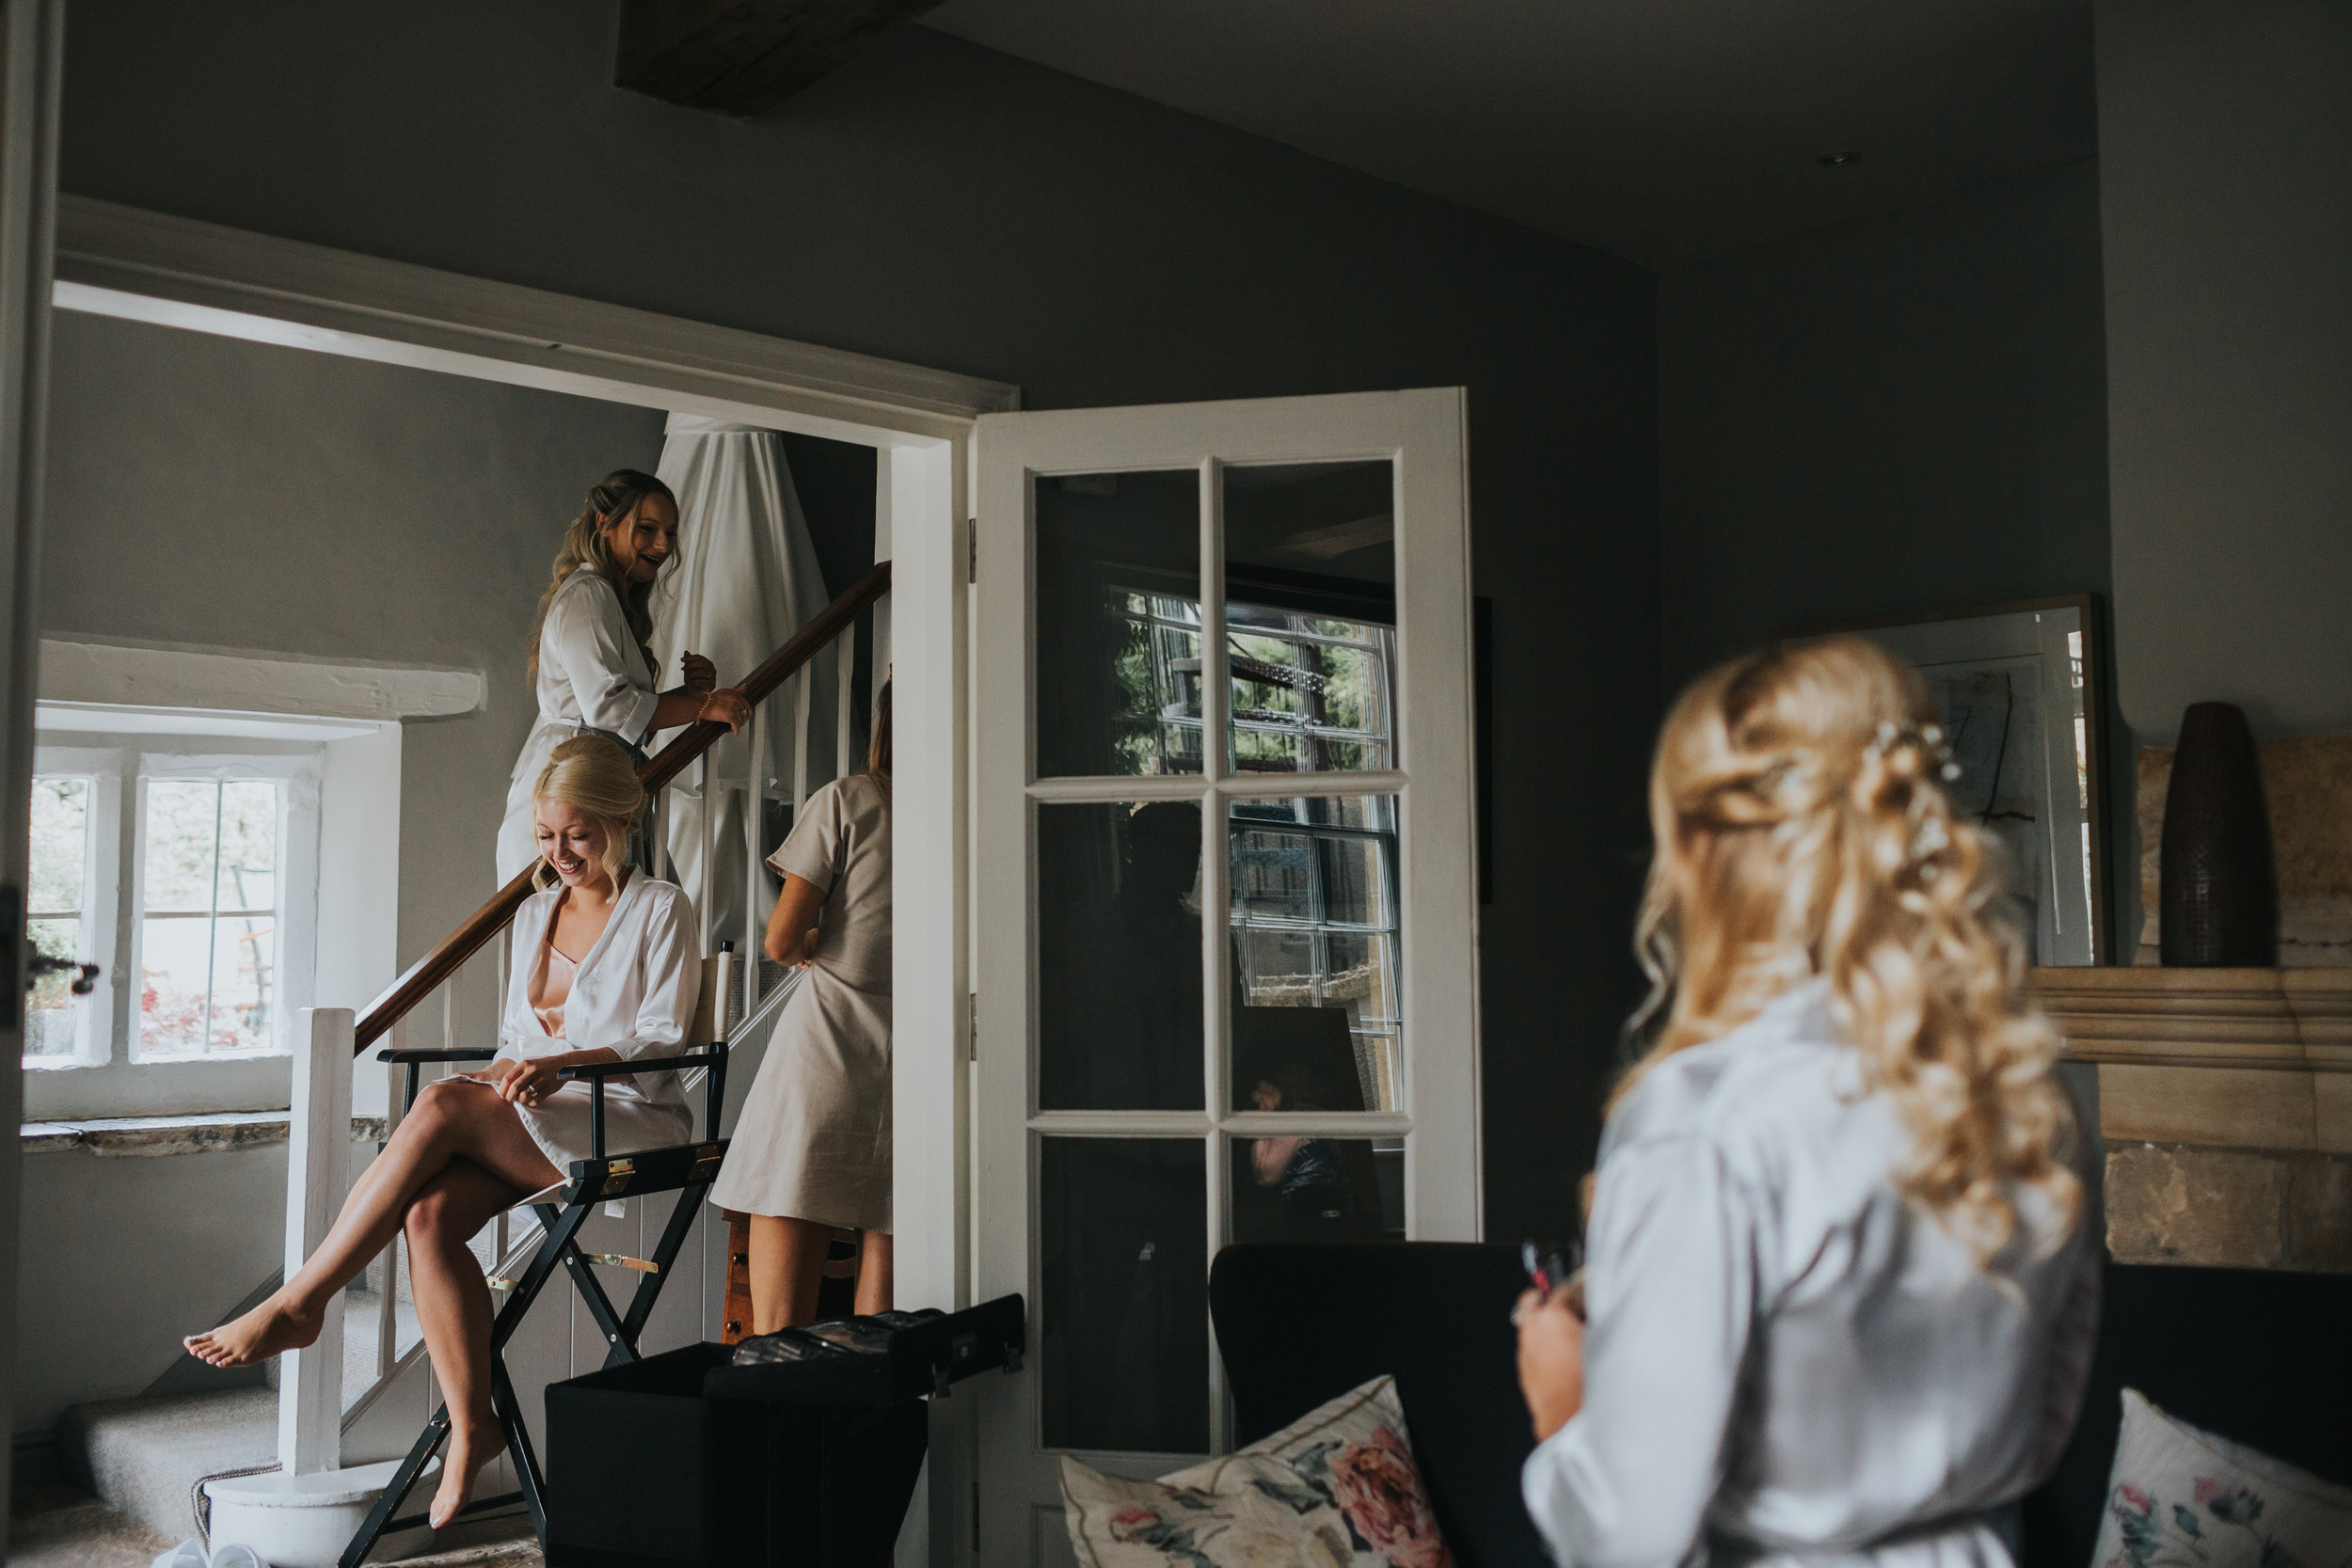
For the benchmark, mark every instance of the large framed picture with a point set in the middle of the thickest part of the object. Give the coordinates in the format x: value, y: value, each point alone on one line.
x: 2022, y: 690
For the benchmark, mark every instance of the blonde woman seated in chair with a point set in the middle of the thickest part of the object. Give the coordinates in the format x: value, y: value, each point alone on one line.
x: 607, y: 969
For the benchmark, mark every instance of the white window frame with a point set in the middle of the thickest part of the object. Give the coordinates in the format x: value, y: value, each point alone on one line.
x: 296, y: 774
x: 102, y: 890
x: 109, y: 1076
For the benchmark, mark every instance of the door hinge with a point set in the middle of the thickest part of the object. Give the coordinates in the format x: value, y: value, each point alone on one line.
x: 971, y: 549
x: 971, y: 1030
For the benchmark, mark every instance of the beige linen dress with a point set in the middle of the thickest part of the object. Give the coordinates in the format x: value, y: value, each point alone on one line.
x: 814, y: 1142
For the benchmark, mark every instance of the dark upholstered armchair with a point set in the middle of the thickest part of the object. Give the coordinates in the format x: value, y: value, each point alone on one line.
x: 1303, y: 1323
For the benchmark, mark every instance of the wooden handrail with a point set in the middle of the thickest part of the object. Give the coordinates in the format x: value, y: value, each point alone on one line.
x: 423, y: 977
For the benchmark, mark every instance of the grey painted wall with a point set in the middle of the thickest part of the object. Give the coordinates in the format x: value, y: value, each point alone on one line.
x: 939, y: 203
x: 208, y: 490
x: 2225, y: 133
x: 211, y: 491
x: 122, y: 1255
x: 1889, y: 418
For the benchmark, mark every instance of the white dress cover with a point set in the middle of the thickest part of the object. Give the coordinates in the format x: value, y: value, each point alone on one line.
x: 1787, y: 1362
x: 746, y: 579
x: 633, y: 995
x: 814, y: 1141
x: 592, y: 676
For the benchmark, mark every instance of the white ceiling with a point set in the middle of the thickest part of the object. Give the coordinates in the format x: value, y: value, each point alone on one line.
x: 1662, y: 131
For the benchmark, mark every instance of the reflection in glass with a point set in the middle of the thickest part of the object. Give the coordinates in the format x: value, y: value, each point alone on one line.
x: 60, y: 847
x: 1118, y: 621
x: 1311, y: 642
x: 1120, y: 1024
x: 1317, y: 1024
x: 1310, y: 1189
x: 1123, y: 1341
x: 207, y: 937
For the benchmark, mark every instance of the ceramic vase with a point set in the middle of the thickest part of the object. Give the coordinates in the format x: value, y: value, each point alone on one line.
x: 2218, y: 897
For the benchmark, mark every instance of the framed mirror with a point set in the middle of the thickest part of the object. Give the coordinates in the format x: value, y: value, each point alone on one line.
x: 2022, y: 689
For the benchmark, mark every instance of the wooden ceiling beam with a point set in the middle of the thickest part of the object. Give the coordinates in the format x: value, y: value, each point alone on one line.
x: 741, y: 58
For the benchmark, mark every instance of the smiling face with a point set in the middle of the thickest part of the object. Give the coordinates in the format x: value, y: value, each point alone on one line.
x: 574, y: 842
x: 643, y: 538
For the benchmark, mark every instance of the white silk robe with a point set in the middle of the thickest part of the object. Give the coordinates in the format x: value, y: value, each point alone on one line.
x: 592, y: 676
x: 634, y: 995
x: 1787, y: 1363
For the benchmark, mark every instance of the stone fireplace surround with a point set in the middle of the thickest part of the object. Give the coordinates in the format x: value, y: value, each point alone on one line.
x: 2225, y: 1104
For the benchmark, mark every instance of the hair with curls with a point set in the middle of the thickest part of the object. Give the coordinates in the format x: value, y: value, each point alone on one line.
x: 588, y: 542
x: 594, y: 773
x: 1803, y: 829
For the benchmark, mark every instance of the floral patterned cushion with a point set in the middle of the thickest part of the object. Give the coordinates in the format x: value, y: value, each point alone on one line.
x: 1335, y: 1489
x: 2178, y: 1495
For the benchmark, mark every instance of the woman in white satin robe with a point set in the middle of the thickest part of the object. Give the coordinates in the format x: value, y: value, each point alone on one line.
x: 591, y: 658
x: 1841, y: 1290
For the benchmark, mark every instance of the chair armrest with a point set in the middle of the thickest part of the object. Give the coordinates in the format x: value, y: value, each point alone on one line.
x: 469, y: 1053
x: 642, y: 1064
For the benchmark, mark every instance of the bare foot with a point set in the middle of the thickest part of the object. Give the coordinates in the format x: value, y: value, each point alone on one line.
x: 460, y: 1469
x: 270, y: 1329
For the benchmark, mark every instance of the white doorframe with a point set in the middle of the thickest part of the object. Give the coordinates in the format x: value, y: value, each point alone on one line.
x: 122, y: 262
x: 32, y: 37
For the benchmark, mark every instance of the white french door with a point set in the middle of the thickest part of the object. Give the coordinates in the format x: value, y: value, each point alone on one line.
x: 1226, y: 911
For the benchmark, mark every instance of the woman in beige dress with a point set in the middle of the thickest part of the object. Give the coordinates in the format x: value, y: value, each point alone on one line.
x: 609, y: 969
x: 812, y: 1153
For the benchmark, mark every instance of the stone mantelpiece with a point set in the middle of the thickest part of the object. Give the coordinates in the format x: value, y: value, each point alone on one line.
x: 2225, y: 1102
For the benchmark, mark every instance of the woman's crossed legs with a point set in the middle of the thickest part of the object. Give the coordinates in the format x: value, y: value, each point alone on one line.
x: 457, y: 1159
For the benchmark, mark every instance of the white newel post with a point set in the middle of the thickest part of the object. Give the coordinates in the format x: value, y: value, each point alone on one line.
x: 302, y: 1514
x: 318, y: 1167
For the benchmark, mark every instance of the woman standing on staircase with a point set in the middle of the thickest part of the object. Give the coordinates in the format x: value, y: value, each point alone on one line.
x: 591, y: 655
x: 607, y: 969
x: 812, y: 1153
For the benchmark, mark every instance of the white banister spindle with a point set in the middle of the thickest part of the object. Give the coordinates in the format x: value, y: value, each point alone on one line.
x: 707, y: 831
x: 318, y: 1162
x: 802, y: 685
x: 754, y: 800
x: 845, y: 667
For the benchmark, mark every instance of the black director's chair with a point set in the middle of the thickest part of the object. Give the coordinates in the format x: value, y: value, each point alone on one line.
x: 687, y: 1170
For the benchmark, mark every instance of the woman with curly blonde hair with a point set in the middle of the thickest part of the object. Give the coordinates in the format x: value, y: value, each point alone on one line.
x: 1840, y: 1292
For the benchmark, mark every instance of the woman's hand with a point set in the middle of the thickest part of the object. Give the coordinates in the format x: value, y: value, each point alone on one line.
x: 698, y: 672
x: 726, y: 707
x: 529, y: 1082
x: 1552, y: 1354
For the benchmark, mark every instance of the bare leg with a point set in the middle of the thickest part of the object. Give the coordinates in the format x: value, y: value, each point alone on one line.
x: 454, y: 1309
x: 787, y: 1262
x: 873, y: 1272
x: 455, y: 1118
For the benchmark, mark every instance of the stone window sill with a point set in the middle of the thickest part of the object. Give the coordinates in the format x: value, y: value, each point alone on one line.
x: 147, y: 1137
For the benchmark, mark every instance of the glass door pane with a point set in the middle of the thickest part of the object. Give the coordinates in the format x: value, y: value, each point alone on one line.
x: 1120, y: 1025
x: 1310, y: 616
x: 1318, y: 1024
x: 1118, y: 649
x: 1124, y: 1316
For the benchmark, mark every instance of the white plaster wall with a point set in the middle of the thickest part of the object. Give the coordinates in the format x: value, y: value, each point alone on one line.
x: 210, y: 491
x: 217, y: 493
x: 123, y: 1254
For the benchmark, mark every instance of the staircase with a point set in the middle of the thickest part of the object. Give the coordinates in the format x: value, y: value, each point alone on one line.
x: 146, y: 1455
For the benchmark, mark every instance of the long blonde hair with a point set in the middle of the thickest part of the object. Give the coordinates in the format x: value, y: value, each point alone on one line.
x: 1797, y: 799
x: 594, y: 773
x: 588, y: 542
